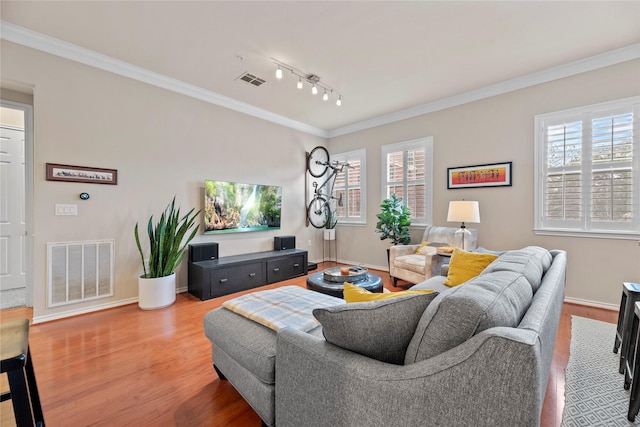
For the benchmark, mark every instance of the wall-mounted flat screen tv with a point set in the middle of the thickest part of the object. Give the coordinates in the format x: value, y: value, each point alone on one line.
x: 231, y: 207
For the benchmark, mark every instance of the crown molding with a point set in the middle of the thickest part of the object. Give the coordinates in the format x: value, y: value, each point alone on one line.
x: 44, y: 43
x: 606, y: 59
x: 53, y: 46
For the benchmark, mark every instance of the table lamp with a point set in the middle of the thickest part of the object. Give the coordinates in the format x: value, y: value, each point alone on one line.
x: 463, y: 211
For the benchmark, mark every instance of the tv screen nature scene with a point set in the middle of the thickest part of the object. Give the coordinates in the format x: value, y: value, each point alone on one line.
x: 231, y: 207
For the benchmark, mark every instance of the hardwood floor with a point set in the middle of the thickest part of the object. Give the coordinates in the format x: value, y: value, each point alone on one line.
x: 125, y: 367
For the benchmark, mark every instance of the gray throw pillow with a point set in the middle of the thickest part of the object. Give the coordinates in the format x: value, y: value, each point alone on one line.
x: 380, y: 330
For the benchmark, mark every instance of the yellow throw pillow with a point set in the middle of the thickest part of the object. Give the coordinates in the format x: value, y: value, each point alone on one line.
x: 422, y: 245
x: 354, y: 293
x: 466, y: 265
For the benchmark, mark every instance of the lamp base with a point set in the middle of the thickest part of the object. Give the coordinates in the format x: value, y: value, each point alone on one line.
x: 462, y: 237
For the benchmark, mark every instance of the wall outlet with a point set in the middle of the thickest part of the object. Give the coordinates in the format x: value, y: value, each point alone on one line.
x: 309, y: 243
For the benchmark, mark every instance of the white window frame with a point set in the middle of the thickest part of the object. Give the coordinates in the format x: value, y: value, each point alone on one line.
x: 427, y: 144
x: 586, y: 227
x: 361, y: 156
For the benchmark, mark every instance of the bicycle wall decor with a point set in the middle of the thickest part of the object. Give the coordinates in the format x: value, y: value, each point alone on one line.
x: 318, y: 164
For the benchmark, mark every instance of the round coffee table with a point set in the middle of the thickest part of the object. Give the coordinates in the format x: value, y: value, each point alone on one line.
x: 331, y: 282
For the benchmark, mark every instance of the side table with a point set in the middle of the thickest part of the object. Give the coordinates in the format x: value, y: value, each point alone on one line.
x: 630, y: 295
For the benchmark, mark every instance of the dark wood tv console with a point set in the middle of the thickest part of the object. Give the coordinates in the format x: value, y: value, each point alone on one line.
x: 226, y: 275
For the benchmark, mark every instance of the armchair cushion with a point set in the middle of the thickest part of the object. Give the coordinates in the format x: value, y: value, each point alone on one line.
x: 378, y: 329
x: 411, y: 262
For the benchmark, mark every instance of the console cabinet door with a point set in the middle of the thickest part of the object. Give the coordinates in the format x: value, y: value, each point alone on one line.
x: 228, y: 280
x: 285, y: 268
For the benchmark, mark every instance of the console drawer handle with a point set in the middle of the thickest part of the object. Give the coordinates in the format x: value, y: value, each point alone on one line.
x: 276, y: 269
x: 223, y: 280
x: 252, y: 274
x: 296, y: 265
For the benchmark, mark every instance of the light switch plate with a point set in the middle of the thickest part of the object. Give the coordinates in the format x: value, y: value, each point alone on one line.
x: 66, y: 209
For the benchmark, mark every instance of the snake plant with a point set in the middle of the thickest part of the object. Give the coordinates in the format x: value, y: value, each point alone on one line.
x: 165, y: 240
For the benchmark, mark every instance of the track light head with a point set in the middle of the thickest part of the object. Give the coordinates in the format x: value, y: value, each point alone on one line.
x: 313, y: 79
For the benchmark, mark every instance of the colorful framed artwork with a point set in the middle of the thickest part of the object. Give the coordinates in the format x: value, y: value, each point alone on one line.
x: 489, y: 175
x: 68, y: 173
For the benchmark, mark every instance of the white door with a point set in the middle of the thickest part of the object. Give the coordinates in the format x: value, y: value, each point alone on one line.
x: 12, y: 209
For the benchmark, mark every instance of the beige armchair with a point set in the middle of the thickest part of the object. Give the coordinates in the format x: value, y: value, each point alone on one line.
x: 406, y: 264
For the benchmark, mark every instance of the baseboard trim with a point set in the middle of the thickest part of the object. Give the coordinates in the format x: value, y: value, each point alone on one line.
x: 589, y: 303
x: 84, y: 310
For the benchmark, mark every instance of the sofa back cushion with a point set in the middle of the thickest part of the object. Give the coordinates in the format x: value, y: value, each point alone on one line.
x: 532, y: 262
x: 377, y: 329
x: 493, y: 299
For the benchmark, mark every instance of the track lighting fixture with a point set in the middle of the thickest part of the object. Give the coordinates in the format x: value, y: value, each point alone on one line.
x: 313, y: 79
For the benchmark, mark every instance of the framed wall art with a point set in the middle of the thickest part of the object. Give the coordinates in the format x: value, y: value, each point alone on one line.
x: 68, y: 173
x: 489, y: 175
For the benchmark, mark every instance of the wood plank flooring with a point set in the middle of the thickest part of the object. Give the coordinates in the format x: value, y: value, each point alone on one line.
x: 128, y: 367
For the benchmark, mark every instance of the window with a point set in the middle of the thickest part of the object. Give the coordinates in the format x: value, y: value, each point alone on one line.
x: 407, y: 170
x: 587, y: 171
x: 349, y: 188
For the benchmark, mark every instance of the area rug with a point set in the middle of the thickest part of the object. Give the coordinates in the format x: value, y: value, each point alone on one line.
x: 594, y: 389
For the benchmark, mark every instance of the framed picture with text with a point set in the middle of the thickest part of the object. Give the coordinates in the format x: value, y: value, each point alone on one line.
x: 489, y: 175
x: 56, y: 172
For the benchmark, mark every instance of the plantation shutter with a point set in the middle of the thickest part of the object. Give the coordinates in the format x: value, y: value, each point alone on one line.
x: 589, y: 169
x: 349, y: 187
x: 407, y: 169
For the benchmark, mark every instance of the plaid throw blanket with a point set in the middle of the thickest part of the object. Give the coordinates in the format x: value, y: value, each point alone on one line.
x: 288, y: 306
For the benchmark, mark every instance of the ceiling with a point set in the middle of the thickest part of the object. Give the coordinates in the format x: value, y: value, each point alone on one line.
x: 383, y: 57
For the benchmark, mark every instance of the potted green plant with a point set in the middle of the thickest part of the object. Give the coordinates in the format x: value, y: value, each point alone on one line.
x: 330, y: 228
x: 168, y: 240
x: 394, y: 221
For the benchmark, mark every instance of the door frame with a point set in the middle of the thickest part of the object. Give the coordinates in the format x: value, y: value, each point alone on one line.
x: 28, y: 189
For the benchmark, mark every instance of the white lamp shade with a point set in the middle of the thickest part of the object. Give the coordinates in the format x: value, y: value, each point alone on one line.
x: 463, y: 211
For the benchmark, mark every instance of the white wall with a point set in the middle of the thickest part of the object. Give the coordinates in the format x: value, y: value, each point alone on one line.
x: 501, y: 129
x: 162, y: 144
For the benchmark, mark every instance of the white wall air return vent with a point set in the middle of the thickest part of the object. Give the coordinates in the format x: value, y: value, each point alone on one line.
x: 79, y: 271
x: 251, y: 79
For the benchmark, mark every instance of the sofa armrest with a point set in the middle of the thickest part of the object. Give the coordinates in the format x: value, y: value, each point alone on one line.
x: 487, y: 380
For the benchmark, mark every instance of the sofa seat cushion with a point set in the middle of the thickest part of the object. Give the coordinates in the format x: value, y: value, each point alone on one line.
x: 249, y: 343
x: 377, y: 329
x: 489, y: 300
x: 532, y: 262
x: 411, y: 262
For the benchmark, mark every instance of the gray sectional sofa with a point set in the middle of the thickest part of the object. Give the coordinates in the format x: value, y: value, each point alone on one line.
x: 478, y: 354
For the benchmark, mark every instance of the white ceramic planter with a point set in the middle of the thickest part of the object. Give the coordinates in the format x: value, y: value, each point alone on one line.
x: 157, y: 292
x: 329, y: 234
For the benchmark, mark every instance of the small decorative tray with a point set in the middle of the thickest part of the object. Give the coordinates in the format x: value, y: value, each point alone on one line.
x: 356, y: 273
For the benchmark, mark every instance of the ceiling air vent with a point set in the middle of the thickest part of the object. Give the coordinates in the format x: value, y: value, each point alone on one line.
x: 251, y: 79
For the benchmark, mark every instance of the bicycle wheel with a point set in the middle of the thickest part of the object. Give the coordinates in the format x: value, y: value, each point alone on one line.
x: 318, y: 212
x: 318, y: 161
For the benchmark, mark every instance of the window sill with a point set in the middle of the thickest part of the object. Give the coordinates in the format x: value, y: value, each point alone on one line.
x: 589, y: 234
